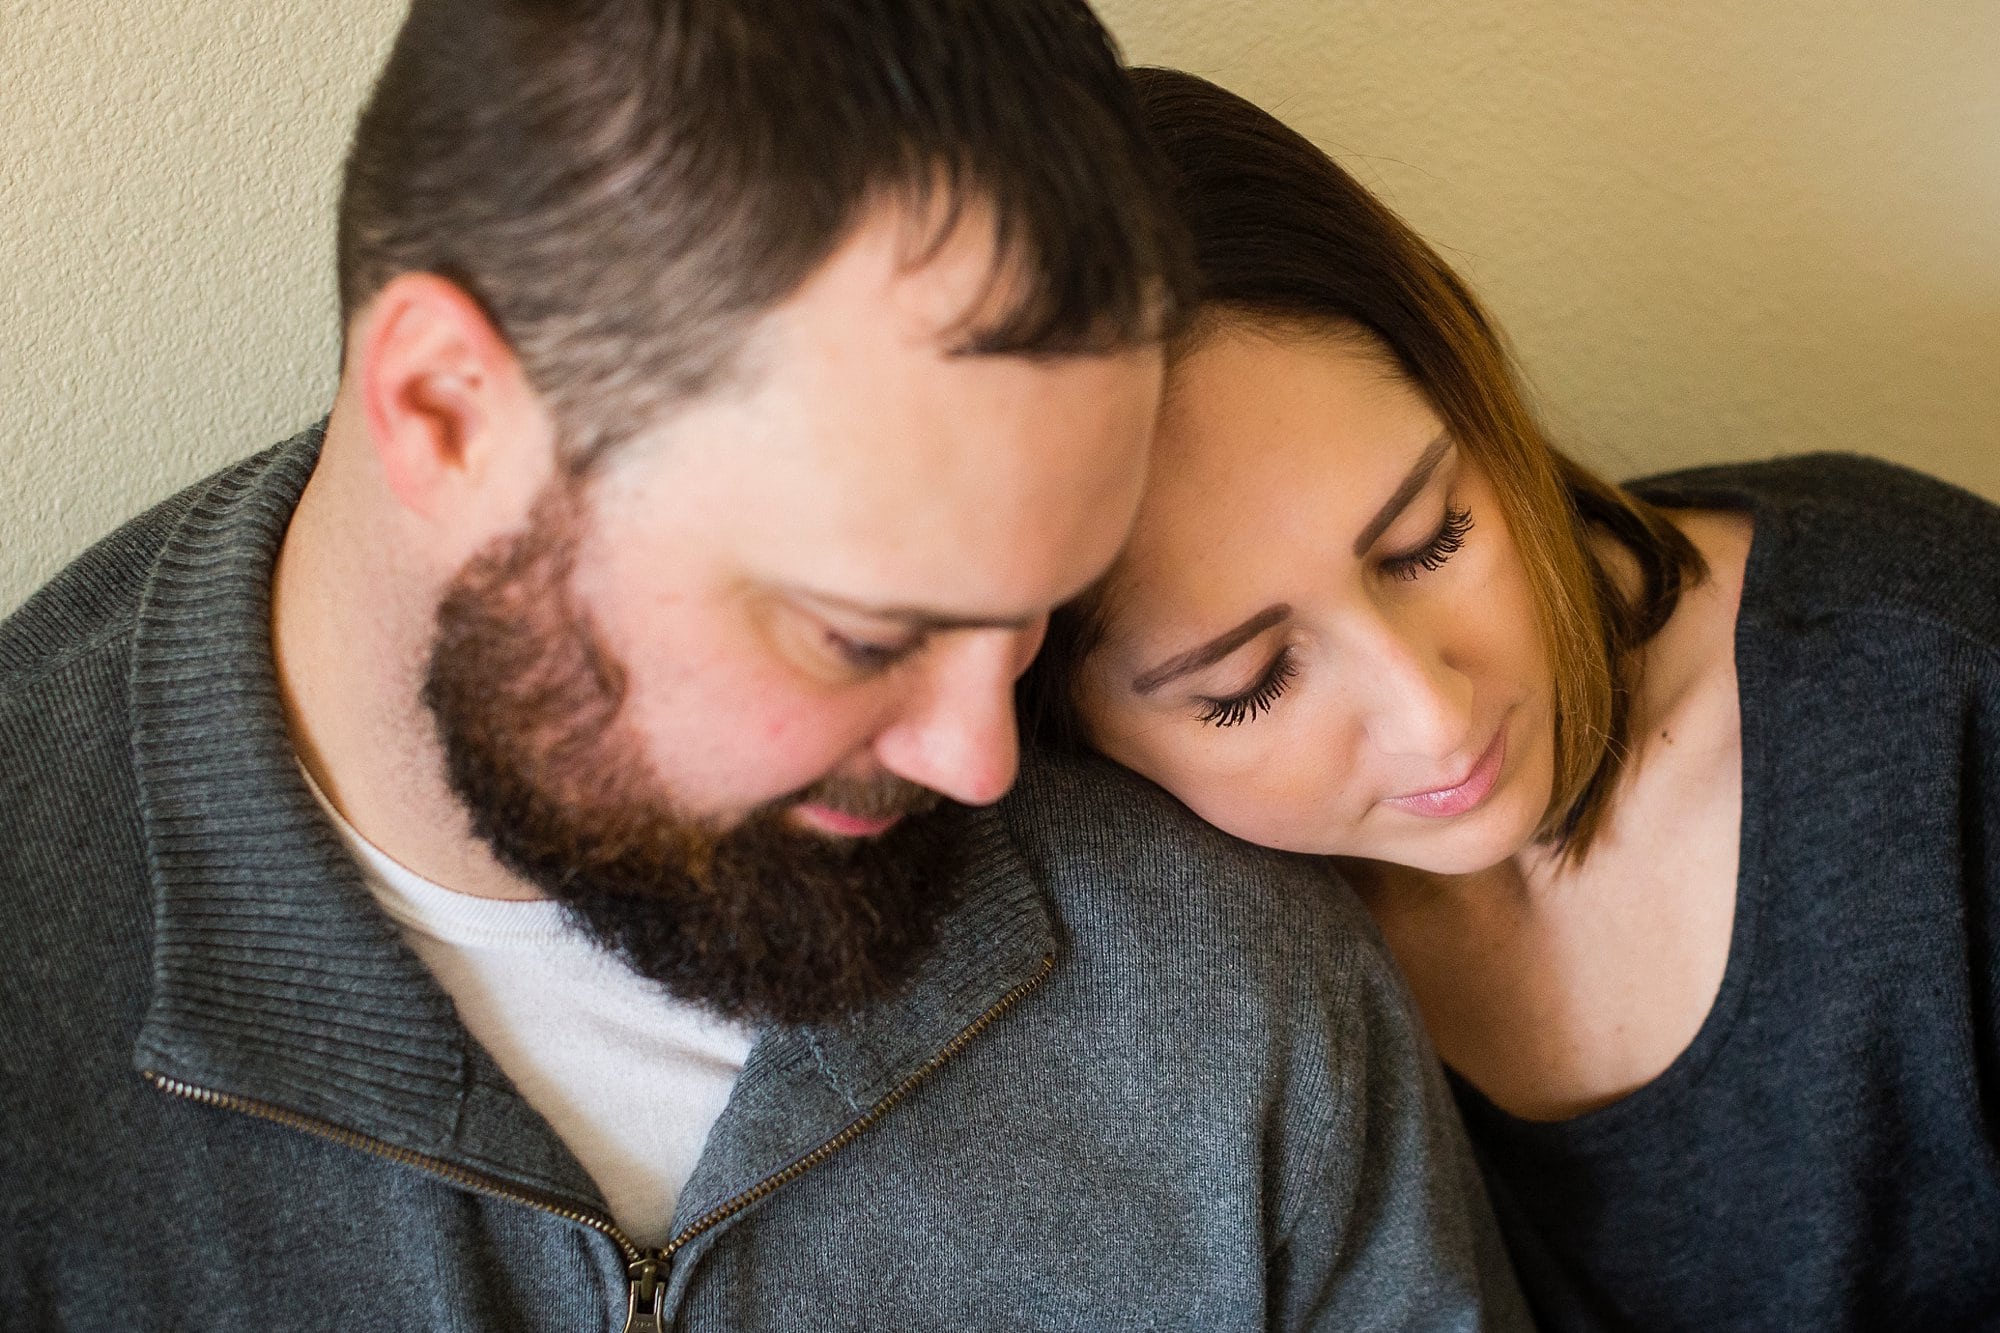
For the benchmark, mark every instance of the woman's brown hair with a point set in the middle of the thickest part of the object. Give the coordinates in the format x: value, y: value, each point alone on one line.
x: 1283, y: 236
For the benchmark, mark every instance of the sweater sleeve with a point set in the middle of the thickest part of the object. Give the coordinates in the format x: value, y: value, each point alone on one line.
x: 1390, y: 1227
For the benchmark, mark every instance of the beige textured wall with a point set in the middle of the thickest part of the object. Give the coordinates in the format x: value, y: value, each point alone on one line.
x: 167, y: 175
x: 1715, y: 229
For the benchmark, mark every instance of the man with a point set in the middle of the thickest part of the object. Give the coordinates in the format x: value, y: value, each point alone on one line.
x: 522, y: 854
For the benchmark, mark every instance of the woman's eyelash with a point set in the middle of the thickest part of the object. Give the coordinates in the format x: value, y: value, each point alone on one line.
x: 1442, y: 546
x: 1257, y: 699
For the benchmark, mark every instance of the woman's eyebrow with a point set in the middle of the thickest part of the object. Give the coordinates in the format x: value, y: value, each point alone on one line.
x: 1217, y: 648
x: 1419, y: 477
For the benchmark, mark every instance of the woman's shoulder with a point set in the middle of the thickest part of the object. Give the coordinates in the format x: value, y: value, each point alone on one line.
x: 1822, y: 478
x: 1841, y: 532
x: 1110, y: 846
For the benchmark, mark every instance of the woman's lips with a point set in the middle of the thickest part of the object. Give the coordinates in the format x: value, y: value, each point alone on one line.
x: 1462, y: 796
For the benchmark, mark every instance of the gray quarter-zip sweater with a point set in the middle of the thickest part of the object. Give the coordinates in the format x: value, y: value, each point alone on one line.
x: 1151, y: 1079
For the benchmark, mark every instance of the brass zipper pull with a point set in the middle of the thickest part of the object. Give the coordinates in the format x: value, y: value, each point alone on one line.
x: 646, y: 1300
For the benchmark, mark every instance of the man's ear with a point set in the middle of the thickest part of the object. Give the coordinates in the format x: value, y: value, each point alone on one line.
x: 455, y: 425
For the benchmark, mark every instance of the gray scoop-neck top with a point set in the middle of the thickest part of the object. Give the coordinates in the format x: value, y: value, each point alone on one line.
x: 1822, y: 1155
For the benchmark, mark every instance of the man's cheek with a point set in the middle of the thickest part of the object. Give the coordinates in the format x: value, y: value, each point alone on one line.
x: 759, y: 745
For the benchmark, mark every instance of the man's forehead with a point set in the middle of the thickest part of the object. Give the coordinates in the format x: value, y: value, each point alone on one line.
x: 930, y: 271
x: 863, y: 461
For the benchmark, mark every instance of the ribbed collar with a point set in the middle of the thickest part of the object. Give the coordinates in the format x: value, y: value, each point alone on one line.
x: 277, y: 978
x: 274, y: 976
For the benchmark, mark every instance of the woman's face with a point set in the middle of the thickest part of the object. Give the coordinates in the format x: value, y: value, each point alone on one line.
x: 1321, y: 637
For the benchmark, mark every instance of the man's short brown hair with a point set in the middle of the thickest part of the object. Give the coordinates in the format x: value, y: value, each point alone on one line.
x: 625, y: 184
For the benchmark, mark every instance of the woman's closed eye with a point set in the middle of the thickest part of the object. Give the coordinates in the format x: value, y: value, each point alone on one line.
x: 1441, y: 546
x: 1246, y: 706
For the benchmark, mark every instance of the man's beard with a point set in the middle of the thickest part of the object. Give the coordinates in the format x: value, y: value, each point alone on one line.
x: 762, y: 921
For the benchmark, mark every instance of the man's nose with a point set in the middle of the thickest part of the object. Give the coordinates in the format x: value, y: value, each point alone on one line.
x: 1416, y: 703
x: 955, y: 733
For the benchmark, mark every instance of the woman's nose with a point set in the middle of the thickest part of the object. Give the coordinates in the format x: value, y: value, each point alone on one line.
x: 1415, y: 703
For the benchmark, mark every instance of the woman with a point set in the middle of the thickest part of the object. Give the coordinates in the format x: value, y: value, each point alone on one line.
x: 1679, y: 805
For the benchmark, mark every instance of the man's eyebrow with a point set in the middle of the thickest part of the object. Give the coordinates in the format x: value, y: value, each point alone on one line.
x: 1418, y: 478
x: 1208, y: 654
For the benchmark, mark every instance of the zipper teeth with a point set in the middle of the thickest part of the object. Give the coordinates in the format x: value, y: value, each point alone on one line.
x: 472, y: 1180
x: 436, y: 1166
x: 784, y: 1176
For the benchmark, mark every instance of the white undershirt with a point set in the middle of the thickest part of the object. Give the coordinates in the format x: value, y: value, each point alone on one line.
x: 629, y: 1078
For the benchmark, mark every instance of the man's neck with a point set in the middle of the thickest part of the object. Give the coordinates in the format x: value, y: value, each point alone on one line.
x: 352, y: 615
